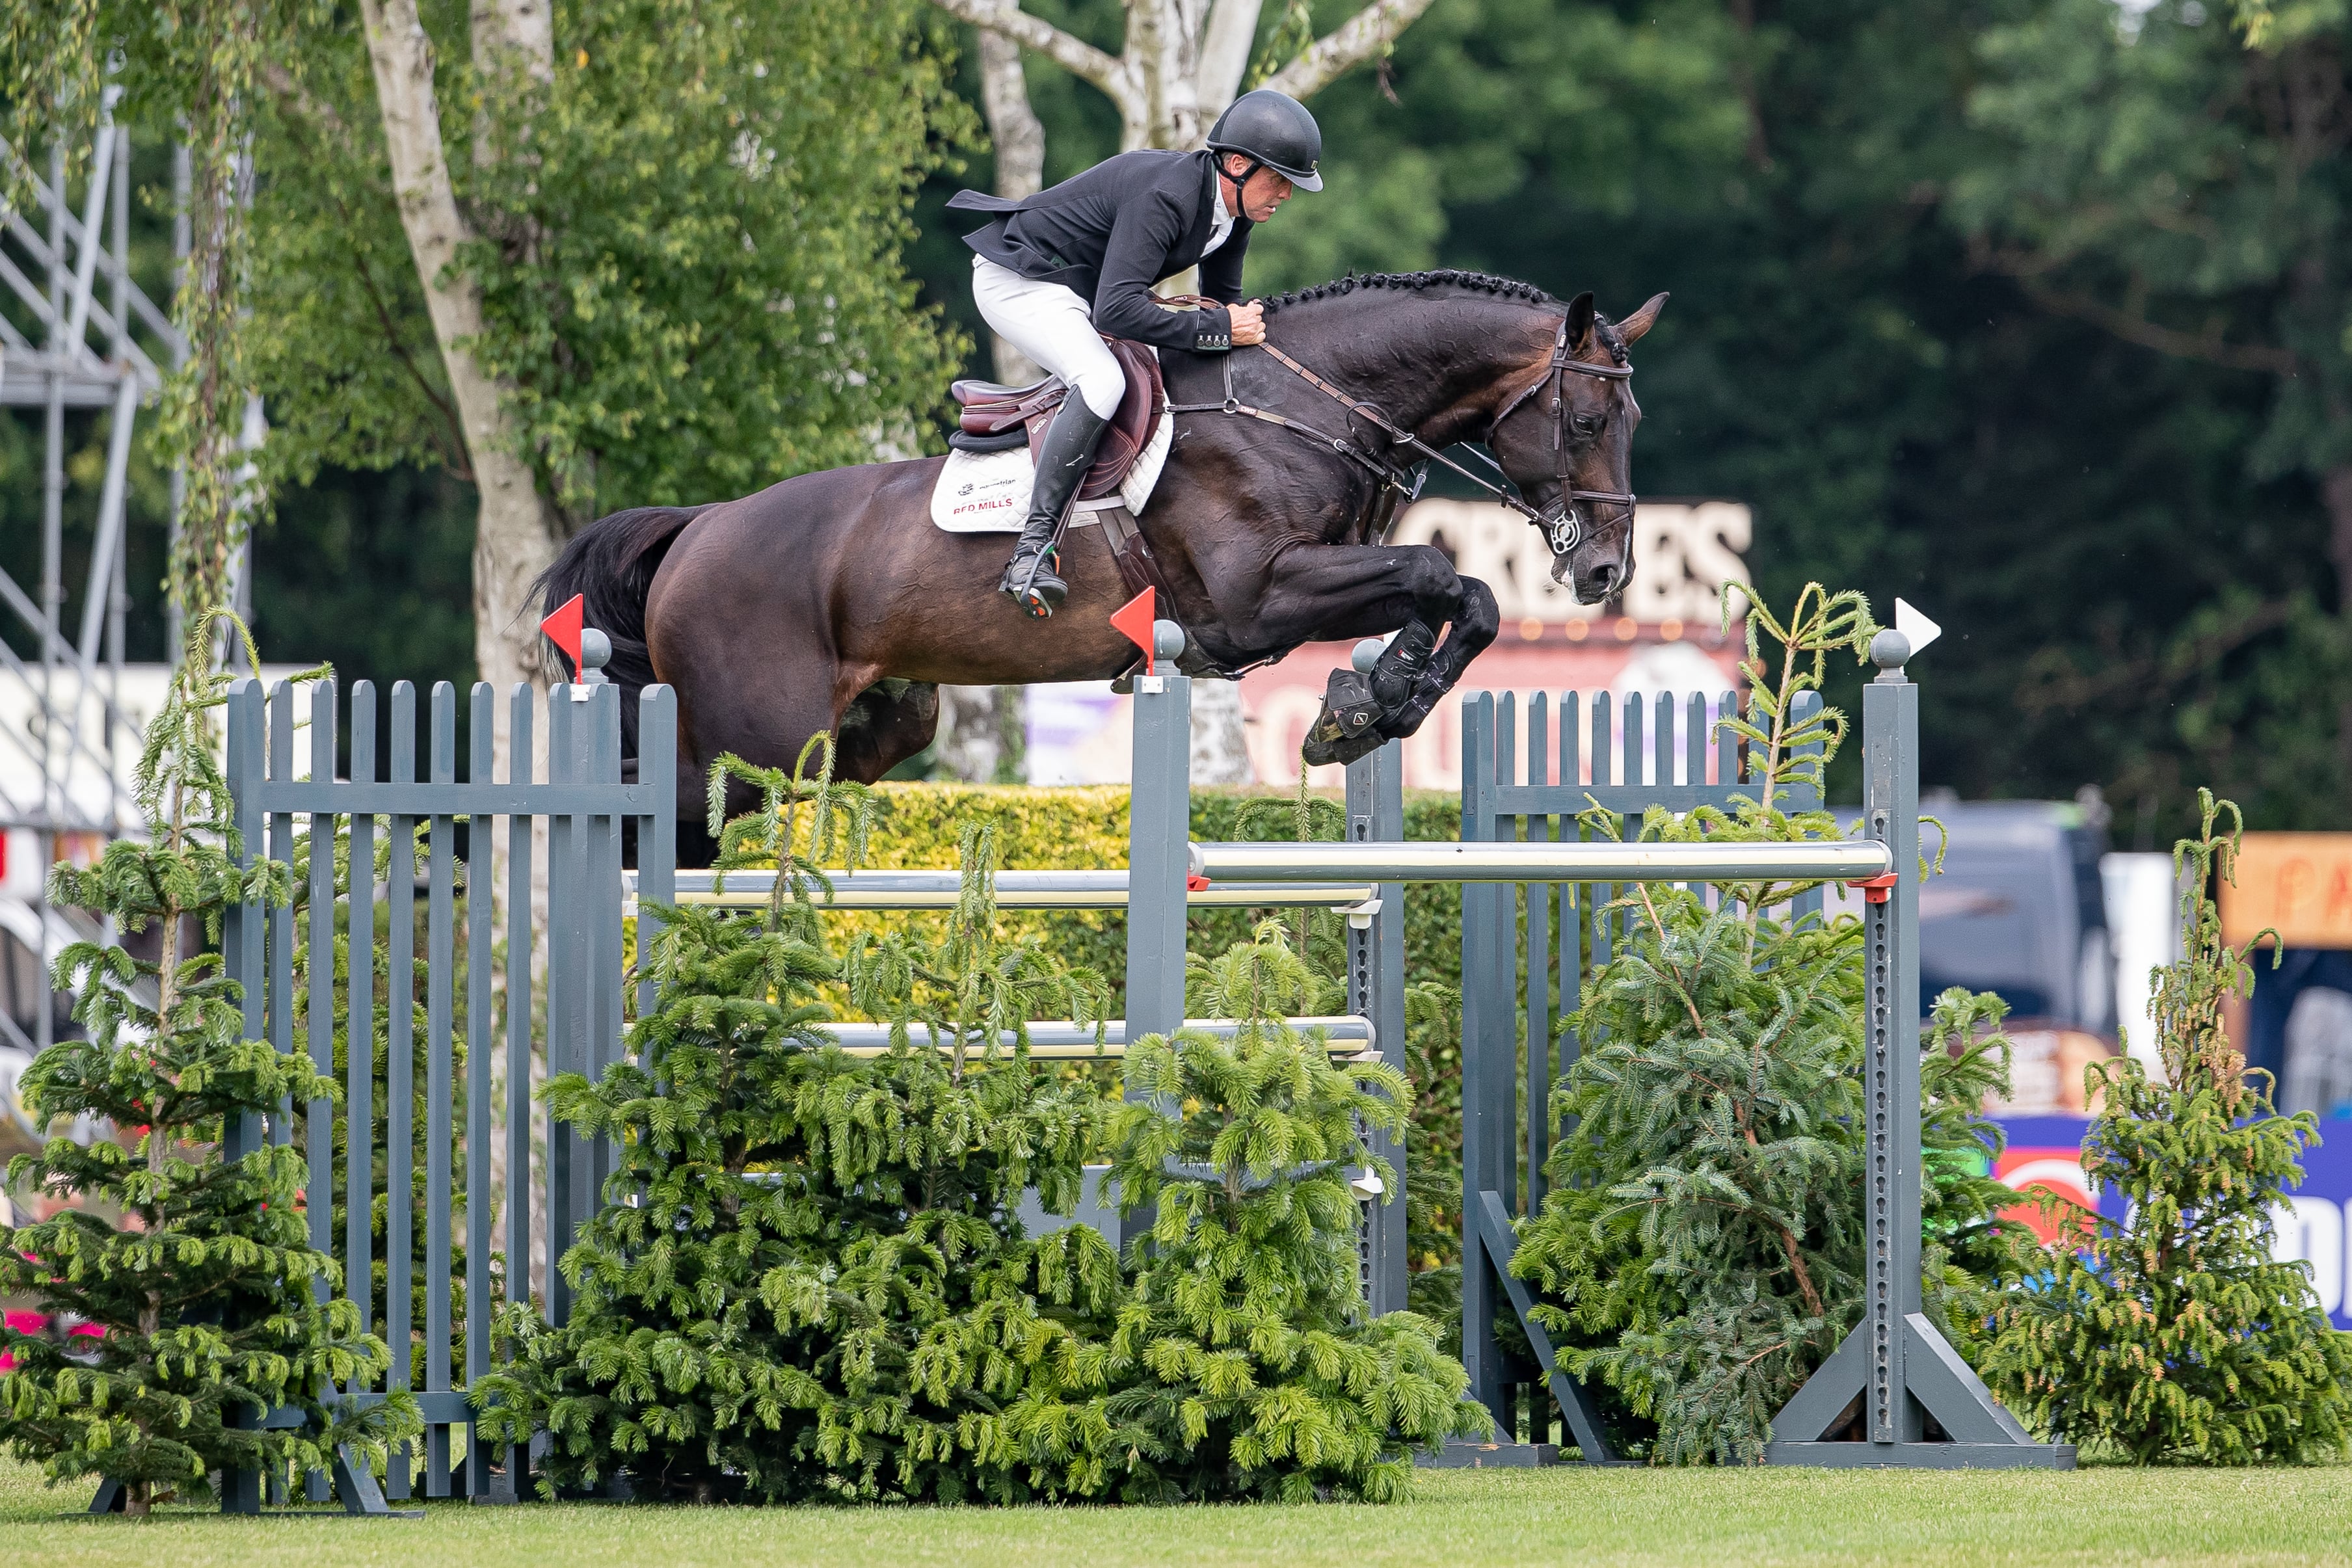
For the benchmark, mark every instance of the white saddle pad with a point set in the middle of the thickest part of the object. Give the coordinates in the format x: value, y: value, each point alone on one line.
x: 988, y: 492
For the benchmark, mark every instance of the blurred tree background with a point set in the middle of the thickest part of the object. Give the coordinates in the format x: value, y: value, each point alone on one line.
x: 2033, y: 311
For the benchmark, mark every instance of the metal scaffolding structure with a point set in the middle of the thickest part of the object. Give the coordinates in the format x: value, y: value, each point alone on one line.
x: 76, y: 333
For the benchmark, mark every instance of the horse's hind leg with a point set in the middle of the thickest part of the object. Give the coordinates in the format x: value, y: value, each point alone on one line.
x: 766, y: 726
x: 885, y: 725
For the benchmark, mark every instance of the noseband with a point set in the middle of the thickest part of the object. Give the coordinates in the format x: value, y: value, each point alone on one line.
x: 1562, y: 528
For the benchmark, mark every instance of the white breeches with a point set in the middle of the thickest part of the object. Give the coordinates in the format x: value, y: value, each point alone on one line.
x: 1053, y: 326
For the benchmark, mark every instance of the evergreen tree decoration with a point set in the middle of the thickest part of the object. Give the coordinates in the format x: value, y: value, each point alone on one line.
x: 1701, y: 1237
x: 214, y: 1308
x: 1242, y: 1363
x: 2171, y: 1335
x: 1433, y: 1049
x: 808, y: 1281
x: 1700, y: 1250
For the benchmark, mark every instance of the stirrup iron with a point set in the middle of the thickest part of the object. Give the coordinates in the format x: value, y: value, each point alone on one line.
x: 1039, y: 599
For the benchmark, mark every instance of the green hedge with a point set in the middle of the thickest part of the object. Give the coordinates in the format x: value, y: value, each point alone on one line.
x: 1084, y: 827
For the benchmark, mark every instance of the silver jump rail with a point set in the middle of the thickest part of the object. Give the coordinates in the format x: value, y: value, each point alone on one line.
x: 925, y: 889
x: 1349, y: 1035
x: 1855, y: 861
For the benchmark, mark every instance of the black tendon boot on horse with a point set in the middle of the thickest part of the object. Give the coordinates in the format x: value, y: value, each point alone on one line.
x: 1063, y: 459
x: 1355, y: 701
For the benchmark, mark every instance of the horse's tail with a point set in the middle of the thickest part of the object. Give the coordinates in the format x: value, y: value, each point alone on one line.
x: 610, y: 565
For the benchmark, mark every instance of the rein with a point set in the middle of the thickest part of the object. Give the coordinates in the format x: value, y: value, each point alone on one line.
x: 1558, y: 519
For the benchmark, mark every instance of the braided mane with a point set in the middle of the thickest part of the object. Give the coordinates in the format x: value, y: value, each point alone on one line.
x: 1440, y: 277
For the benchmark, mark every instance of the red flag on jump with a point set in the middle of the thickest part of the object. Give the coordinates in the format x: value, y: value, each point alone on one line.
x: 1133, y: 620
x: 563, y: 628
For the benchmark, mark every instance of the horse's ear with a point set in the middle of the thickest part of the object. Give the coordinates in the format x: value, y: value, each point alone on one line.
x: 1642, y: 320
x: 1580, y: 319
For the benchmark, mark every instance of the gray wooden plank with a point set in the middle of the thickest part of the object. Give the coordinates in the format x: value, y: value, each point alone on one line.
x: 1694, y: 739
x: 243, y: 958
x: 359, y: 1032
x: 1479, y: 1355
x: 1573, y: 899
x: 1502, y: 952
x: 481, y: 929
x: 319, y: 1014
x: 520, y: 1013
x: 657, y: 834
x: 602, y: 864
x: 1629, y: 718
x: 1484, y: 1211
x: 440, y: 975
x: 563, y: 985
x: 1533, y: 1108
x: 544, y: 799
x: 1662, y: 740
x: 520, y: 1010
x: 400, y: 1073
x: 280, y: 1000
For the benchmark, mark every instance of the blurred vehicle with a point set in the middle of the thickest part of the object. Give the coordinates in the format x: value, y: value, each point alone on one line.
x: 2020, y: 910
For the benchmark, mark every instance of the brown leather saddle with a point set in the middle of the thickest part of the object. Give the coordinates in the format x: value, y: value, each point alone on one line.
x: 998, y: 418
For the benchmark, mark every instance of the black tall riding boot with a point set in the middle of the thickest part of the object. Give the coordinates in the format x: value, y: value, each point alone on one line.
x: 1063, y: 459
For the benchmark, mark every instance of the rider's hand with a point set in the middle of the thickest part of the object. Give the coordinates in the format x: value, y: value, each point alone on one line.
x: 1249, y: 323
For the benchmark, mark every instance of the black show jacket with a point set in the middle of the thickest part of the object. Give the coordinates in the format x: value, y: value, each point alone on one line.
x: 1111, y: 232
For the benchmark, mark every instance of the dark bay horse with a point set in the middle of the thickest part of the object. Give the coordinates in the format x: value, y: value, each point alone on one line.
x: 830, y: 602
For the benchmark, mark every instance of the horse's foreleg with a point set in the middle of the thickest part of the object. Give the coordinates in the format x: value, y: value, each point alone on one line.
x: 1475, y: 623
x: 1357, y: 590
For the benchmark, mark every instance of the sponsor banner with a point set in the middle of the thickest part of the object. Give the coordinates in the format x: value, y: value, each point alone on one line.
x: 2314, y: 1225
x: 2297, y: 885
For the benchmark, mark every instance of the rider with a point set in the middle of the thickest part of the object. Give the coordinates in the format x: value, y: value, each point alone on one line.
x: 1058, y: 269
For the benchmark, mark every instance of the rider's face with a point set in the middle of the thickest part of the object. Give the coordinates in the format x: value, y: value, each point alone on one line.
x: 1262, y: 193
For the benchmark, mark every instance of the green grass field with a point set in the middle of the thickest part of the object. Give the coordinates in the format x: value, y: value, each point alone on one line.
x: 1458, y: 1518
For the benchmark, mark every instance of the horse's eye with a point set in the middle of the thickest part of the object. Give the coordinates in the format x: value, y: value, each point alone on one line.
x: 1586, y: 424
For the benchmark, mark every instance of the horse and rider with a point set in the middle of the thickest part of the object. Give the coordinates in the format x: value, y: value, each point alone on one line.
x: 829, y: 602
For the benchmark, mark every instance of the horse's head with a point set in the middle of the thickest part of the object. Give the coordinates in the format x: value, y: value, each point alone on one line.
x: 1566, y: 440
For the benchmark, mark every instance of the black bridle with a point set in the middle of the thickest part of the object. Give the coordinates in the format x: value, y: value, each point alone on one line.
x: 1562, y: 527
x: 1556, y: 376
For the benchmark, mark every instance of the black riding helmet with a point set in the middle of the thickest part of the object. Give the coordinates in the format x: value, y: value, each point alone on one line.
x: 1274, y: 129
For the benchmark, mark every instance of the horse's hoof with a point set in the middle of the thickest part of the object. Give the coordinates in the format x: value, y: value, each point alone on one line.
x: 1318, y: 755
x: 1349, y: 723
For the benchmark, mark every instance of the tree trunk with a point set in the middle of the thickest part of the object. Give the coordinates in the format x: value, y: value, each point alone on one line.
x: 516, y: 537
x: 1020, y: 140
x: 1225, y: 55
x: 982, y: 734
x: 1220, y: 744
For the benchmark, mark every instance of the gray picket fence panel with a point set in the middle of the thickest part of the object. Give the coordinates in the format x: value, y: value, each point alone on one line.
x: 583, y: 802
x: 1530, y: 767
